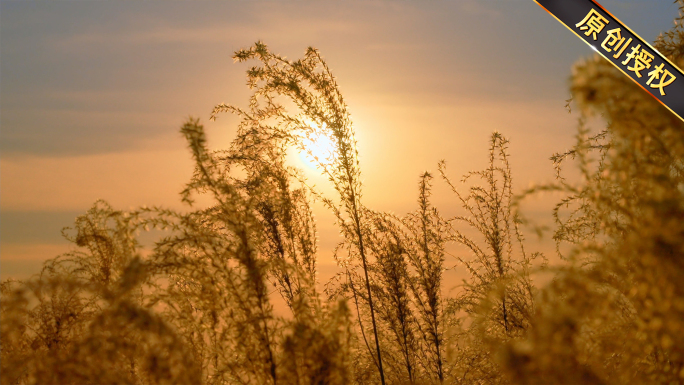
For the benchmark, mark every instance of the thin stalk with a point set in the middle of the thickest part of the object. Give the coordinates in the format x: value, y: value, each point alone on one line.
x: 357, y: 224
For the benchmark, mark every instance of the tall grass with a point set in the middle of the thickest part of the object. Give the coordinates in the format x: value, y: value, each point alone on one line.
x: 199, y: 308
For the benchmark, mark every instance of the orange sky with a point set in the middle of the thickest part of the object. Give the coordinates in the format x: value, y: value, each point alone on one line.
x: 93, y: 94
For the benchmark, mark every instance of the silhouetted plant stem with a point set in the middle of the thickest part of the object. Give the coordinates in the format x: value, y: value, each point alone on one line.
x: 358, y: 314
x: 431, y: 266
x: 362, y: 252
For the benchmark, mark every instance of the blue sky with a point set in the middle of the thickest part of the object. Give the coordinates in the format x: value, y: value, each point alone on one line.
x: 92, y: 94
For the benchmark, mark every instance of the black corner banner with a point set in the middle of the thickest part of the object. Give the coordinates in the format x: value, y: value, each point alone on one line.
x: 622, y: 47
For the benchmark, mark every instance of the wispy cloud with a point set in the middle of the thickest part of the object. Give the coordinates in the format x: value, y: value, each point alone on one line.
x: 126, y: 179
x: 483, y: 9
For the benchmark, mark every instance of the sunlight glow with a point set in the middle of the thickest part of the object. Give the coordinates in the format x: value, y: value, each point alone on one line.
x: 318, y: 150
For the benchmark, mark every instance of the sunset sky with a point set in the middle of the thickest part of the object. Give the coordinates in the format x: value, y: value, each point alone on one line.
x: 92, y: 96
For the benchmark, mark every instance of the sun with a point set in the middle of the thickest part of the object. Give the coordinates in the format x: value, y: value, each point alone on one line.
x: 317, y: 150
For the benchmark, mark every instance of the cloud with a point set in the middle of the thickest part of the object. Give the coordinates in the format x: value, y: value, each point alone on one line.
x: 20, y: 261
x: 39, y: 227
x: 486, y: 10
x: 74, y: 183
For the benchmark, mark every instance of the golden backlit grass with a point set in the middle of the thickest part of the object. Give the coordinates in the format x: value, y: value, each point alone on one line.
x: 198, y: 309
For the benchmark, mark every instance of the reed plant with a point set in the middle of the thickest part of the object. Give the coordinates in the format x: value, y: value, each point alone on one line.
x: 199, y: 305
